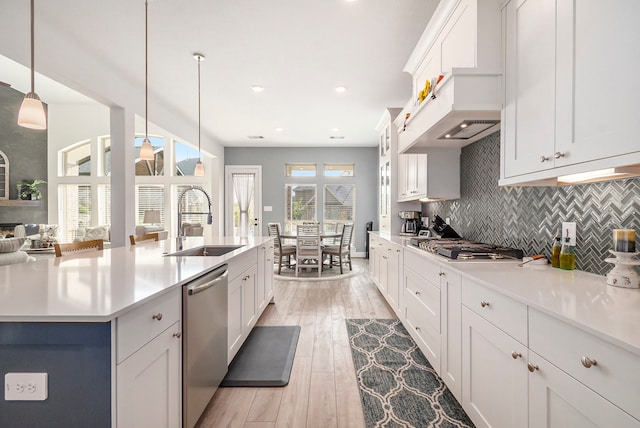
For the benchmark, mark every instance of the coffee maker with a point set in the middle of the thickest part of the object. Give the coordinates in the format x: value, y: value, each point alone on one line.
x: 411, y: 224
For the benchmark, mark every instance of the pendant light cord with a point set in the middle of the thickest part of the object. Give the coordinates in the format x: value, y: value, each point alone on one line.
x: 199, y: 60
x: 146, y: 70
x: 32, y: 48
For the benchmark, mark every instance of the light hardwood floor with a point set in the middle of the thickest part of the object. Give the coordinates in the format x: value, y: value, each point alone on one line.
x: 322, y: 390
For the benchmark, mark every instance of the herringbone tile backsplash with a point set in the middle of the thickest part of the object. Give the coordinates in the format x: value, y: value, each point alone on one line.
x: 527, y: 217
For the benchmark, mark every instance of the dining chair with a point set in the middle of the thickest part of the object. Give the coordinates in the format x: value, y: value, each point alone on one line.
x: 135, y: 239
x: 342, y: 250
x: 280, y: 251
x: 78, y: 247
x: 308, y: 248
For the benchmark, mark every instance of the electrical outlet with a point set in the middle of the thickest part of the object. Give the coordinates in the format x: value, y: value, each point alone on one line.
x: 447, y: 220
x: 25, y: 386
x: 569, y: 229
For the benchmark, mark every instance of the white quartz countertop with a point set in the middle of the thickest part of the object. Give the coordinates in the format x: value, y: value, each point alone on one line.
x: 99, y: 286
x: 580, y: 298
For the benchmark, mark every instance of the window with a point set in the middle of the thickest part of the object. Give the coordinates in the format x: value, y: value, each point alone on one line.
x: 104, y: 200
x: 106, y: 156
x: 149, y: 197
x: 300, y: 169
x: 339, y: 170
x: 74, y: 204
x: 4, y: 176
x: 339, y: 203
x: 154, y: 167
x: 300, y: 204
x: 186, y: 158
x: 76, y: 161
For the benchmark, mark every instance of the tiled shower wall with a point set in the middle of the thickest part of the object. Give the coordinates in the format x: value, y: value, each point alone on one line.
x: 527, y: 217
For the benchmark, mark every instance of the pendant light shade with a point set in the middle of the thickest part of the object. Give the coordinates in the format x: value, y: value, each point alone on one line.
x: 146, y: 150
x: 199, y: 169
x: 31, y: 114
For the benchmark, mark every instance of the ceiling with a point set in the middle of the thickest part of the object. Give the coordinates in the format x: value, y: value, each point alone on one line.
x: 299, y: 51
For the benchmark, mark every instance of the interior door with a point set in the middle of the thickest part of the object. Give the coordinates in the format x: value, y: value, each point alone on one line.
x: 243, y: 200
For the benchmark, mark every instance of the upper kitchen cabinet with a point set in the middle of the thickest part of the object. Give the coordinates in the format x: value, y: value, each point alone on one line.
x: 456, y: 68
x: 571, y: 91
x: 388, y: 219
x: 429, y: 176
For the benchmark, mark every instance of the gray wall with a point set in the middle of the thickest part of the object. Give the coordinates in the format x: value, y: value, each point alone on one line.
x: 273, y: 162
x: 27, y: 153
x: 527, y: 217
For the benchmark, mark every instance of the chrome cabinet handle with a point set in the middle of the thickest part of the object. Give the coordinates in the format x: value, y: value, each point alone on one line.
x: 544, y: 159
x: 532, y: 367
x: 157, y: 316
x: 588, y: 362
x: 484, y: 304
x: 177, y: 335
x: 440, y: 273
x: 558, y: 155
x: 417, y: 293
x: 417, y: 328
x: 515, y: 355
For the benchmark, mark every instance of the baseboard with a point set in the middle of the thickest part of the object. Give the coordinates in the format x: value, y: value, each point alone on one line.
x: 358, y: 255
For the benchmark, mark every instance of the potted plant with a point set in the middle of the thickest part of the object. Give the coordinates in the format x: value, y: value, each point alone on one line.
x: 29, y: 190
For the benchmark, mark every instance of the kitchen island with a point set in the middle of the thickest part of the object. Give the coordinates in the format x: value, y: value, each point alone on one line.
x: 82, y: 318
x: 551, y: 346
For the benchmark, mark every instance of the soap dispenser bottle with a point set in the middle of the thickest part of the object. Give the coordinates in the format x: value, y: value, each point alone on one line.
x: 567, y: 255
x: 555, y: 250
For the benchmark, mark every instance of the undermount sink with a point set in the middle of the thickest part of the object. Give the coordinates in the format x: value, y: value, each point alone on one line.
x: 207, y: 250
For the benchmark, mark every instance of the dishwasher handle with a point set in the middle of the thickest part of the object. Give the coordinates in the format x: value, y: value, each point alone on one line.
x: 194, y: 289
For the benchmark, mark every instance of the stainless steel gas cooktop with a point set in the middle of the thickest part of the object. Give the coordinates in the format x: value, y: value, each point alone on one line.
x: 464, y: 250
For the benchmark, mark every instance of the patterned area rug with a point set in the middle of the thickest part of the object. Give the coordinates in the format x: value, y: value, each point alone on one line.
x: 398, y: 386
x: 312, y: 275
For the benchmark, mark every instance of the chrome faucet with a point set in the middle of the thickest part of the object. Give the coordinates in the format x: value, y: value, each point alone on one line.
x: 181, y: 211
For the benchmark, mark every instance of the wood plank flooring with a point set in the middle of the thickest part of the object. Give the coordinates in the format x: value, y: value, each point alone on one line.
x: 322, y: 391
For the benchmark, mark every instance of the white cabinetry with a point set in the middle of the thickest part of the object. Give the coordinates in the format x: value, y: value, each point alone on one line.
x: 435, y: 175
x: 265, y: 276
x: 494, y: 354
x: 570, y: 88
x: 388, y: 178
x: 244, y: 308
x: 149, y: 364
x: 385, y: 268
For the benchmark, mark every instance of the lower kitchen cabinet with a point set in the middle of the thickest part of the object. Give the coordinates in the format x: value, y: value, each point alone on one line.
x: 149, y: 386
x: 494, y: 374
x: 558, y: 400
x: 249, y: 300
x: 264, y: 292
x: 451, y: 330
x: 385, y: 268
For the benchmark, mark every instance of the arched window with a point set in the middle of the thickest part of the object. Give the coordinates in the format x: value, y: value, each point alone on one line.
x: 4, y: 176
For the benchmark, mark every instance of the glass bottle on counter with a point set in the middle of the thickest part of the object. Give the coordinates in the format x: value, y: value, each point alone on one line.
x: 567, y: 256
x: 555, y: 250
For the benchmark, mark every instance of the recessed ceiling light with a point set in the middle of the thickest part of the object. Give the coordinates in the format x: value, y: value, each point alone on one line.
x: 257, y: 88
x: 447, y: 136
x: 335, y: 129
x: 337, y: 137
x: 463, y: 125
x: 256, y: 137
x: 278, y: 129
x: 341, y: 89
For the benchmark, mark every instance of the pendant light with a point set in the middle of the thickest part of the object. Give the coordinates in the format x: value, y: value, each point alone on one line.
x: 199, y: 169
x: 146, y: 150
x: 31, y: 114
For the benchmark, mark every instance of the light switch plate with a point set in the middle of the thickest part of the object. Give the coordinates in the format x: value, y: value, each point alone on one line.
x: 25, y: 387
x: 268, y: 208
x: 569, y: 229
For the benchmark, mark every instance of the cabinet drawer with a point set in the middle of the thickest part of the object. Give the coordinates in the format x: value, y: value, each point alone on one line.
x: 420, y: 321
x: 616, y: 374
x: 242, y: 262
x: 138, y: 326
x: 502, y: 311
x: 422, y: 266
x: 427, y: 294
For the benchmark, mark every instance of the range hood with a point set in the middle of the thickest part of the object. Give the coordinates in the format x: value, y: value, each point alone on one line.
x: 458, y: 62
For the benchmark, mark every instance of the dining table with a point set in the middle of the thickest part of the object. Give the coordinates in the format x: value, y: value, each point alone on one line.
x: 323, y: 235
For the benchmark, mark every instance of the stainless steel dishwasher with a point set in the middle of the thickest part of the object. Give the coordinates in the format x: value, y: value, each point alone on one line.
x: 204, y: 348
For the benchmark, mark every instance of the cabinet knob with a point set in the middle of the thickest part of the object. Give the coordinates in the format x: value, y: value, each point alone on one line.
x: 177, y: 335
x: 532, y: 367
x: 544, y: 159
x: 157, y: 316
x: 418, y: 293
x: 558, y: 155
x: 417, y: 328
x: 440, y: 273
x: 484, y: 304
x: 515, y: 355
x: 588, y: 362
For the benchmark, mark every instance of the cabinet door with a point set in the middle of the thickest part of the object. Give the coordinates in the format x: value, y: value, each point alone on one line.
x: 528, y: 130
x: 262, y: 277
x: 403, y: 184
x: 249, y: 302
x: 383, y: 270
x: 451, y: 352
x: 558, y: 400
x: 235, y: 309
x: 494, y: 374
x: 394, y: 278
x: 598, y: 86
x: 148, y: 383
x: 268, y: 274
x: 421, y: 175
